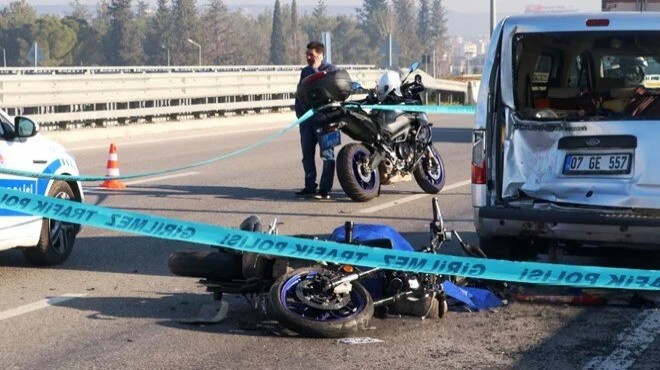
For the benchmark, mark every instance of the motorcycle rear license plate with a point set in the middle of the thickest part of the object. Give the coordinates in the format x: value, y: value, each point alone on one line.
x: 330, y: 140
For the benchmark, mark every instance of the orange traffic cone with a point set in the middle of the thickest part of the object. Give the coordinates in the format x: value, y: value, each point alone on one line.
x: 112, y: 170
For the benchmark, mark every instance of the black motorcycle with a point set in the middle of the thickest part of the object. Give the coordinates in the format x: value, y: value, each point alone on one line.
x: 391, y: 145
x: 323, y: 300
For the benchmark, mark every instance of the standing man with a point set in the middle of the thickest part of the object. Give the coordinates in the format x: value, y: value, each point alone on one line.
x: 310, y: 134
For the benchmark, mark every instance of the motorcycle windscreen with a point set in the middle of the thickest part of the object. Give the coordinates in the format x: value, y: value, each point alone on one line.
x: 599, y: 163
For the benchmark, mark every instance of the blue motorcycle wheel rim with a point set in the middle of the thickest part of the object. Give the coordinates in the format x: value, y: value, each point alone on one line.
x: 366, y: 182
x: 292, y: 304
x: 434, y: 178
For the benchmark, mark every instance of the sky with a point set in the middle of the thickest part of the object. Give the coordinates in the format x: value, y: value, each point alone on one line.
x: 464, y: 6
x: 468, y: 18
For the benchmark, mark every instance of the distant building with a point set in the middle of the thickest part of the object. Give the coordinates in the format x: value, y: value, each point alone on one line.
x: 537, y: 8
x: 631, y: 6
x: 466, y: 57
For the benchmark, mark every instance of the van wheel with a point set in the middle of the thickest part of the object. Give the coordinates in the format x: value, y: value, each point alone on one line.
x: 511, y: 248
x: 57, y: 237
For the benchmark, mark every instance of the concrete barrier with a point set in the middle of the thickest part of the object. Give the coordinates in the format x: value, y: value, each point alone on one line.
x: 64, y: 98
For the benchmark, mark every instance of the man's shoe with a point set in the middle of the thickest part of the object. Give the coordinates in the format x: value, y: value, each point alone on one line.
x: 306, y: 193
x: 322, y: 195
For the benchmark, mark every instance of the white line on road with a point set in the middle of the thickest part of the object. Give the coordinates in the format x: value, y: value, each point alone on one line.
x: 411, y: 198
x: 632, y: 343
x: 152, y: 179
x: 179, y: 138
x: 44, y: 303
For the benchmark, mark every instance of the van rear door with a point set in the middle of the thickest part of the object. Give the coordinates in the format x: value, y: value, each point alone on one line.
x: 581, y: 126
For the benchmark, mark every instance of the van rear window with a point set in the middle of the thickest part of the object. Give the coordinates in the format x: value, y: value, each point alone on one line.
x: 587, y: 76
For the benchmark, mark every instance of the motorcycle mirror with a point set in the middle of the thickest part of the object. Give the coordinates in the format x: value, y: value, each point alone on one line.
x: 413, y: 67
x: 355, y: 86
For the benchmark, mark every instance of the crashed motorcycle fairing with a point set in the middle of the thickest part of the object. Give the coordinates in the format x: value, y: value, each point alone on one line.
x: 533, y: 164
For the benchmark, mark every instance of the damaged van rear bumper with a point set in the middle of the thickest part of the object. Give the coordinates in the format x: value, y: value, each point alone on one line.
x: 609, y: 228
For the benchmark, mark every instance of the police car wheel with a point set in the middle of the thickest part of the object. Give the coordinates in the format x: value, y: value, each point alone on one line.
x: 57, y: 237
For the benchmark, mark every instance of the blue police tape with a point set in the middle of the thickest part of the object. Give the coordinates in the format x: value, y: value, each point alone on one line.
x: 438, y: 109
x: 268, y: 139
x: 318, y: 250
x: 446, y: 109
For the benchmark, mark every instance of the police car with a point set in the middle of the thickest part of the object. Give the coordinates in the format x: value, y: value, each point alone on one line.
x: 44, y: 242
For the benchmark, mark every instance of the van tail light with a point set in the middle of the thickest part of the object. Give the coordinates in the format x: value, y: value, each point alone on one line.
x: 598, y: 22
x: 478, y: 158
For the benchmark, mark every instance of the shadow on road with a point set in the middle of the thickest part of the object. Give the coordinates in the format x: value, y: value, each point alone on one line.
x: 452, y: 135
x: 232, y: 193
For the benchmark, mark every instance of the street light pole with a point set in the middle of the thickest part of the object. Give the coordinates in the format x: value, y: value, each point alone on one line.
x: 200, y: 50
x: 165, y: 47
x: 493, y: 16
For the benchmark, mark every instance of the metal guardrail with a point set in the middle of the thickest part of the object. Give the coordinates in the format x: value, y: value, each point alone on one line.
x: 83, y: 96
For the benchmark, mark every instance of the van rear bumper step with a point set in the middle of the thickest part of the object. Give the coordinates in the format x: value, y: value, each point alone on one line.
x: 567, y: 217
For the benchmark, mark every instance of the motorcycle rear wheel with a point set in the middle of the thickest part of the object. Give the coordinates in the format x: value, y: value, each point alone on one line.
x: 299, y: 302
x: 221, y: 264
x: 217, y: 265
x: 430, y: 173
x: 357, y: 183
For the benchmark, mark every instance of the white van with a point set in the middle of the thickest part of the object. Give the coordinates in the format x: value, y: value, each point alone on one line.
x: 567, y: 134
x: 44, y: 241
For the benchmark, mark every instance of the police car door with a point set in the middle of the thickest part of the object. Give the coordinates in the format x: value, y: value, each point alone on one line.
x: 17, y: 229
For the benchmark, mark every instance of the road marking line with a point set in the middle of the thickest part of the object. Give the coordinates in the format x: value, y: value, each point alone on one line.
x: 411, y: 198
x: 44, y: 303
x: 152, y: 179
x: 632, y: 343
x: 151, y: 141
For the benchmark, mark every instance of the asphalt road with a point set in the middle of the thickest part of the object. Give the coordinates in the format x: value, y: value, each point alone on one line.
x: 126, y: 305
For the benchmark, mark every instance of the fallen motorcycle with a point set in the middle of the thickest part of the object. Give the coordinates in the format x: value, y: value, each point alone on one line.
x: 391, y: 146
x: 324, y: 300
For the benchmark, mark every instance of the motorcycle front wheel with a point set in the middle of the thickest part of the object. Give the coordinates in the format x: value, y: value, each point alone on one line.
x: 430, y: 172
x: 301, y: 302
x: 358, y: 181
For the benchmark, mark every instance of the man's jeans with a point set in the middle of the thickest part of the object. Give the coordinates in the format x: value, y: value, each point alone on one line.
x: 310, y: 137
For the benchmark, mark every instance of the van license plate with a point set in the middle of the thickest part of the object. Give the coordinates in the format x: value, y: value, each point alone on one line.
x: 597, y: 164
x: 331, y: 140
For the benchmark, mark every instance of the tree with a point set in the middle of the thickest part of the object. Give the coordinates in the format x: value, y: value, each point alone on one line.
x: 18, y: 14
x: 277, y: 38
x: 184, y: 28
x: 101, y: 22
x: 424, y: 24
x: 217, y: 32
x: 142, y: 21
x: 295, y: 51
x: 375, y: 19
x: 438, y: 30
x: 56, y: 39
x: 79, y: 10
x: 87, y: 50
x: 406, y: 31
x: 159, y: 37
x: 18, y: 25
x: 348, y: 42
x: 320, y: 22
x: 120, y: 45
